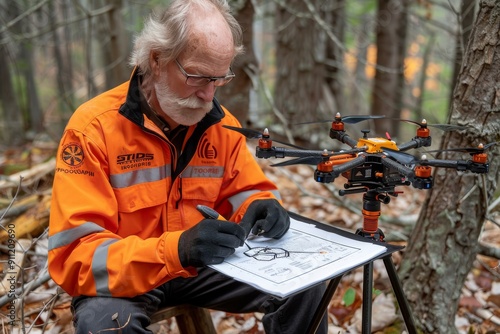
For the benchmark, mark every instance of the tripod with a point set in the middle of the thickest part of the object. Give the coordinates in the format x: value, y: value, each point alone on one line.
x: 372, y: 199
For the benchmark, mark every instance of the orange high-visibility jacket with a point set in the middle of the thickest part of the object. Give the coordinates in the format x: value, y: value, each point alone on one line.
x: 122, y: 194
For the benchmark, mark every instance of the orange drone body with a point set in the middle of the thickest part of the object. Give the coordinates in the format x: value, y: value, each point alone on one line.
x: 375, y: 145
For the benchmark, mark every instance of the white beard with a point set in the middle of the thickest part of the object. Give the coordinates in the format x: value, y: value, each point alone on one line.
x: 185, y: 111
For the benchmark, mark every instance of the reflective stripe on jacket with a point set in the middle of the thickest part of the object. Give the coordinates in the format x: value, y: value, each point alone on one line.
x: 122, y: 195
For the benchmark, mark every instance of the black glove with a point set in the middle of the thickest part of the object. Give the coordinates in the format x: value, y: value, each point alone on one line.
x: 209, y: 242
x: 266, y: 217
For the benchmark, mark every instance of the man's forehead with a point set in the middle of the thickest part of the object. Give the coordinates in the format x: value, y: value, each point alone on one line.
x: 207, y: 35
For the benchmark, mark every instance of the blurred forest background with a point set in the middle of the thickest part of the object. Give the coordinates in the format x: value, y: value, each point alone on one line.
x: 305, y: 61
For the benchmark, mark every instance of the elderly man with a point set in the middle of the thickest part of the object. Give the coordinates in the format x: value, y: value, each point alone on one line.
x: 126, y: 237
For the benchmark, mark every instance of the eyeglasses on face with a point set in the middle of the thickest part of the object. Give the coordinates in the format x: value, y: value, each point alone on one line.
x: 194, y: 80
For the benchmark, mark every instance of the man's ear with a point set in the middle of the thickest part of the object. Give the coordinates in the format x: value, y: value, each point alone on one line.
x: 154, y: 62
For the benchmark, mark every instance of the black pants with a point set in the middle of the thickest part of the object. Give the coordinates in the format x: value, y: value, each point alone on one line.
x: 209, y: 289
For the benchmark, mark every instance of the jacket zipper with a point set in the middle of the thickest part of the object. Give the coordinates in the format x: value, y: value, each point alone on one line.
x: 180, y: 193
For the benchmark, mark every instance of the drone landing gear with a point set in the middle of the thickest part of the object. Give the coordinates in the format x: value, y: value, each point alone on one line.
x: 371, y: 212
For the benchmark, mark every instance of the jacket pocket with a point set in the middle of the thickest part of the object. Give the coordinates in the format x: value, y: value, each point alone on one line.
x: 140, y: 196
x: 200, y: 191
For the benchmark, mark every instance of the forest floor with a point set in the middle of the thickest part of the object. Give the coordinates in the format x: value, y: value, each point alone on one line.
x: 46, y: 308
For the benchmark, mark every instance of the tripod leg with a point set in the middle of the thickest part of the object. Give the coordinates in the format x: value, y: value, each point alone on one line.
x: 323, y: 305
x: 400, y: 295
x: 367, y: 298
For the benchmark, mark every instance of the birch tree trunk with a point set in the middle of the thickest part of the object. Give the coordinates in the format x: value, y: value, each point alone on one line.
x: 444, y: 243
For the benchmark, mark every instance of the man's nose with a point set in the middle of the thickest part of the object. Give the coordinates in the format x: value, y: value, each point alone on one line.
x: 207, y: 92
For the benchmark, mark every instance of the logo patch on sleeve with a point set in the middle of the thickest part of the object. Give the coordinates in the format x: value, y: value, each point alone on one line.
x: 72, y: 155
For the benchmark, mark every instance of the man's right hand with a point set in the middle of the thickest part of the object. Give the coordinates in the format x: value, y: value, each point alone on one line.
x: 209, y: 242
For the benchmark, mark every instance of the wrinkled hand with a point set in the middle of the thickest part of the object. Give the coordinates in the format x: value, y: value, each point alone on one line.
x: 266, y: 217
x: 209, y: 242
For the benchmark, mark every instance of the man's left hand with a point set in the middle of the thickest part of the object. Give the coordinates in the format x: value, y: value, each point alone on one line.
x: 266, y: 217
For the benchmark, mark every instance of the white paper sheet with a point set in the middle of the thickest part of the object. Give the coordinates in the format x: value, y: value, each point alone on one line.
x: 304, y: 256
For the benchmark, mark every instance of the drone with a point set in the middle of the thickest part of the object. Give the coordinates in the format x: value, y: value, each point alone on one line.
x: 371, y: 164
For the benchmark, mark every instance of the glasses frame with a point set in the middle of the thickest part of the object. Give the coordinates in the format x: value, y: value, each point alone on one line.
x: 218, y: 81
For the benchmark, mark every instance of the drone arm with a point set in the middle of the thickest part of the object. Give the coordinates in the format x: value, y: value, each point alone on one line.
x: 343, y: 137
x: 415, y: 143
x: 460, y: 165
x: 281, y: 152
x: 339, y: 169
x: 403, y: 170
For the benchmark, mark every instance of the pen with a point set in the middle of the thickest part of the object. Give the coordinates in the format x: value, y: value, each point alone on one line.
x: 208, y: 212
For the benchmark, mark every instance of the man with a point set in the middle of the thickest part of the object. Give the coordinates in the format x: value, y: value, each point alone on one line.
x: 125, y: 236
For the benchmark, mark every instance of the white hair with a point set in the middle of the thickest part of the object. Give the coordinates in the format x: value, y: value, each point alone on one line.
x: 168, y: 32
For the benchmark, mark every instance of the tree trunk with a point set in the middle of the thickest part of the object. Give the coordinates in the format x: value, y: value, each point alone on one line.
x: 299, y: 62
x: 111, y: 38
x: 25, y: 65
x: 444, y: 244
x: 34, y: 112
x: 401, y: 41
x: 426, y: 59
x: 236, y: 96
x: 12, y: 125
x: 386, y: 85
x: 62, y: 59
x: 358, y: 82
x: 335, y: 72
x: 466, y: 19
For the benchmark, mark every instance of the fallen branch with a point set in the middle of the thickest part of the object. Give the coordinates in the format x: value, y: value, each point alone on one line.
x: 30, y: 176
x: 19, y: 206
x: 32, y: 223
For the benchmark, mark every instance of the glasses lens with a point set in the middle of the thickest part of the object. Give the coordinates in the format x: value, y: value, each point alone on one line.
x: 197, y: 81
x: 202, y: 81
x: 223, y: 81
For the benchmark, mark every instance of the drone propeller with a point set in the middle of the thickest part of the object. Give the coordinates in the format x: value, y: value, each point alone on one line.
x: 248, y: 133
x: 424, y: 124
x: 353, y: 119
x: 350, y: 119
x: 471, y: 150
x: 254, y: 134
